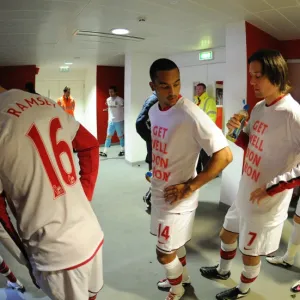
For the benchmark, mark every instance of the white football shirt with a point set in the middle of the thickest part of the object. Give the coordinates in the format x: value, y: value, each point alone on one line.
x: 178, y: 135
x: 115, y: 109
x: 273, y: 149
x: 37, y: 172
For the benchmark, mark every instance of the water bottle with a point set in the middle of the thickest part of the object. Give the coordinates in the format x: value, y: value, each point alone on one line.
x: 243, y: 115
x: 148, y: 176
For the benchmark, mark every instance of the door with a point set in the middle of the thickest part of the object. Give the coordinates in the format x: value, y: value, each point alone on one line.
x: 294, y: 75
x: 106, y: 77
x: 53, y: 89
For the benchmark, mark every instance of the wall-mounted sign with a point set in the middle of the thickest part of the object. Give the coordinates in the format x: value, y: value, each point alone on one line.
x: 64, y: 69
x: 206, y: 55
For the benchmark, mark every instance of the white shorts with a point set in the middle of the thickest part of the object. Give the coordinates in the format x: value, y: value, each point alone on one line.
x: 82, y: 283
x: 172, y: 230
x: 254, y: 239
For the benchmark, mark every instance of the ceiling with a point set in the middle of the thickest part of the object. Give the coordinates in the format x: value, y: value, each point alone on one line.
x: 42, y: 31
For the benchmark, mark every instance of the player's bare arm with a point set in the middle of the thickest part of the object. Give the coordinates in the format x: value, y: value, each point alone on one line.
x: 218, y: 162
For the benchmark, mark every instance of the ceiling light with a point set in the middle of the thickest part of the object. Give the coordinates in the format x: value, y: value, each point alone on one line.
x: 68, y: 63
x: 120, y: 31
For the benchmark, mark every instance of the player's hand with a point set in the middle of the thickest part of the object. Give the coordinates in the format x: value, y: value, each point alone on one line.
x: 234, y: 122
x: 175, y: 193
x: 258, y: 195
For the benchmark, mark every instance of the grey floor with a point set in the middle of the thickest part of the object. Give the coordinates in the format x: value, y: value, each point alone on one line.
x: 130, y: 266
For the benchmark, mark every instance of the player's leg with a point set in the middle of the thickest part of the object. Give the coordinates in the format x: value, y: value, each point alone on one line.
x: 96, y: 276
x: 174, y: 270
x: 119, y: 126
x: 109, y: 134
x: 255, y: 240
x: 12, y: 281
x: 249, y: 274
x: 293, y: 247
x: 183, y: 234
x: 173, y: 231
x: 229, y: 235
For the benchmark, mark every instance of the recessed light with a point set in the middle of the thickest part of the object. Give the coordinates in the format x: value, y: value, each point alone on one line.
x: 120, y: 31
x: 68, y: 63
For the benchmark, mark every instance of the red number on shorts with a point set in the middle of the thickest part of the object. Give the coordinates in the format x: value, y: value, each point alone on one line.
x: 253, y: 237
x: 58, y: 147
x: 165, y: 233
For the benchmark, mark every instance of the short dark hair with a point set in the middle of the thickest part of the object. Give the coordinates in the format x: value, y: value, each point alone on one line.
x: 202, y: 84
x: 113, y: 87
x: 162, y: 64
x: 29, y: 86
x: 67, y: 88
x: 274, y: 67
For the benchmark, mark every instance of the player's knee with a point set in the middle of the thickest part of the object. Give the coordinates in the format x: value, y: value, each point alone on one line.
x: 164, y: 258
x: 109, y: 137
x: 120, y: 137
x: 251, y: 260
x: 228, y: 237
x: 296, y: 219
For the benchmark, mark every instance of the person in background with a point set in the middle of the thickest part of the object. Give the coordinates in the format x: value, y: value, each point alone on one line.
x: 208, y: 105
x: 143, y: 128
x: 115, y: 120
x: 67, y: 102
x: 29, y: 87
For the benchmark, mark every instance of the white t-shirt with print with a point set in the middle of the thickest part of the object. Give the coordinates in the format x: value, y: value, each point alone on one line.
x: 178, y: 135
x: 38, y: 174
x: 115, y: 109
x: 273, y: 150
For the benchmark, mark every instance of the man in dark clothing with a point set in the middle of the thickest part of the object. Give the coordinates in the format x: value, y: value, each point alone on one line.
x: 143, y: 128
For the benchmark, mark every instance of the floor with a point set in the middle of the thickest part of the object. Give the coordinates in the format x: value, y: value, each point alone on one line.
x: 130, y: 266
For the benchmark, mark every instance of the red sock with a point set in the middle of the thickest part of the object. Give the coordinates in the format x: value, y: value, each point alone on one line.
x: 4, y: 270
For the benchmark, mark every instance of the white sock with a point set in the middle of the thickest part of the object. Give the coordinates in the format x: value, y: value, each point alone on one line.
x: 294, y: 245
x: 122, y: 149
x: 104, y: 150
x: 174, y: 271
x: 181, y: 253
x: 248, y: 276
x: 228, y: 252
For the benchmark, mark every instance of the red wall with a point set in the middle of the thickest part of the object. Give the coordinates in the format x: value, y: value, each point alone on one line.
x: 290, y: 49
x: 106, y: 77
x: 15, y: 77
x: 257, y: 39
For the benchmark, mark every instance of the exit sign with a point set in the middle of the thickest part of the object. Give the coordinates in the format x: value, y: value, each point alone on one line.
x: 64, y: 69
x: 205, y: 55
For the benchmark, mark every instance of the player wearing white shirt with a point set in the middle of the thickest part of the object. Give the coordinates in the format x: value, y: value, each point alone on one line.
x: 59, y: 232
x: 115, y: 120
x: 271, y: 140
x: 179, y: 131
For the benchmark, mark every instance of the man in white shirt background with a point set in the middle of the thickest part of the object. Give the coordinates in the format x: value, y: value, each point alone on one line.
x: 115, y: 120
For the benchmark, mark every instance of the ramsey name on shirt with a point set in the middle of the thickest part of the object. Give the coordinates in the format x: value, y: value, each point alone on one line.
x: 178, y: 135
